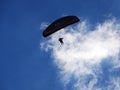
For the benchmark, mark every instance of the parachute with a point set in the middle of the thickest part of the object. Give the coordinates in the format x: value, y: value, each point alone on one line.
x: 59, y: 24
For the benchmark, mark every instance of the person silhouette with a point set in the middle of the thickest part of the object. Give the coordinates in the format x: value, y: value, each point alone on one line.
x: 61, y: 40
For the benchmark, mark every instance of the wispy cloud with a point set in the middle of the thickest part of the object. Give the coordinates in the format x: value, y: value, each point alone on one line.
x: 80, y: 58
x: 43, y: 25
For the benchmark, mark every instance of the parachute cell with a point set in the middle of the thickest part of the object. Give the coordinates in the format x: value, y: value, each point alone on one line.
x: 59, y: 24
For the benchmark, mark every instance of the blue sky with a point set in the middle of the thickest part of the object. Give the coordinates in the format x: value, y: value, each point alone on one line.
x: 23, y: 64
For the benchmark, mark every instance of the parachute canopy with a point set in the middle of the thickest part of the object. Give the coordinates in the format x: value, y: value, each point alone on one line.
x: 59, y: 24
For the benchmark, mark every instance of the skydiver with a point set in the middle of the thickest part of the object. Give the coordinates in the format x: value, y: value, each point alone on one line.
x: 61, y: 40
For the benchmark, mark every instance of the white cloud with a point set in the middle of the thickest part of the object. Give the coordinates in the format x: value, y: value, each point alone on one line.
x: 83, y: 52
x: 43, y: 25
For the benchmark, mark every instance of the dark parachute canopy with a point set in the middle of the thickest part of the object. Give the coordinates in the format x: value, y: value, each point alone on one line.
x: 59, y: 24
